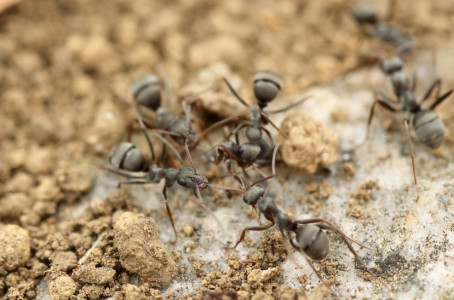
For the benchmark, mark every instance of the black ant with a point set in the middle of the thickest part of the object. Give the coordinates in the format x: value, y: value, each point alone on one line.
x: 129, y: 162
x: 146, y: 91
x: 267, y: 85
x: 366, y: 15
x: 306, y: 236
x: 427, y: 125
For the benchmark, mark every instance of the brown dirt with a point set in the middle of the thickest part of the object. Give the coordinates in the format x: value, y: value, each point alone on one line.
x: 308, y: 145
x: 66, y: 64
x: 359, y: 198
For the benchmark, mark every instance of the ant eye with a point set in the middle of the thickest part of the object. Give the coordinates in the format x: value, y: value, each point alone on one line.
x: 181, y: 181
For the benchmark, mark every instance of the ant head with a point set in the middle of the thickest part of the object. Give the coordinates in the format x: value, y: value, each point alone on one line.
x: 190, y: 179
x: 253, y: 194
x: 313, y: 241
x: 147, y: 91
x: 126, y: 156
x: 365, y: 13
x: 193, y: 139
x: 266, y: 86
x: 391, y: 65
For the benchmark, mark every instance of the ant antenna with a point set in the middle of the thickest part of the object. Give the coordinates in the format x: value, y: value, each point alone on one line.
x: 187, y: 111
x: 168, y: 89
x: 144, y: 129
x: 284, y: 109
x: 168, y: 144
x: 235, y: 93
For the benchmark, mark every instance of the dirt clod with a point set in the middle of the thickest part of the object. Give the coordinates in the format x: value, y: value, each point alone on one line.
x: 141, y: 250
x: 15, y: 245
x: 62, y: 288
x: 92, y: 274
x: 308, y: 145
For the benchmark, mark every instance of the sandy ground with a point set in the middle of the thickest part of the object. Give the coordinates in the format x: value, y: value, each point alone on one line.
x: 65, y: 67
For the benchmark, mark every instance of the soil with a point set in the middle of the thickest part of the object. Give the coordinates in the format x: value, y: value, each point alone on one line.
x: 66, y: 67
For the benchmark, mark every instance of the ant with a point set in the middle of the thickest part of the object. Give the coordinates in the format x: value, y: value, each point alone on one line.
x: 129, y: 162
x: 427, y: 125
x: 366, y: 15
x: 306, y: 236
x: 267, y: 85
x: 146, y: 92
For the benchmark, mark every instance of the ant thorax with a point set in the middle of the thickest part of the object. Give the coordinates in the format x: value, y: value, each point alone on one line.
x: 409, y: 103
x: 165, y: 119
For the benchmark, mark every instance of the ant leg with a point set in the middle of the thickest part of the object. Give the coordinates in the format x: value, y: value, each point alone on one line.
x: 441, y: 99
x: 125, y: 173
x: 163, y: 160
x: 199, y: 197
x: 386, y: 98
x: 268, y: 134
x: 273, y: 161
x: 187, y: 111
x: 237, y: 130
x: 220, y: 123
x: 414, y: 82
x: 168, y: 144
x: 344, y: 237
x: 246, y: 175
x: 235, y: 93
x: 231, y: 171
x: 168, y: 90
x: 262, y: 180
x: 258, y: 171
x: 284, y: 109
x: 384, y: 104
x: 292, y: 243
x: 144, y: 129
x: 133, y: 181
x: 412, y: 158
x: 169, y: 213
x: 436, y: 84
x: 130, y: 131
x: 267, y: 119
x: 253, y: 228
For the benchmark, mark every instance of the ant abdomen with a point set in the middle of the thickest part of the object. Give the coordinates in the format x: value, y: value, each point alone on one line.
x: 365, y: 13
x: 429, y: 128
x: 267, y: 85
x: 312, y: 241
x: 147, y: 91
x: 126, y: 156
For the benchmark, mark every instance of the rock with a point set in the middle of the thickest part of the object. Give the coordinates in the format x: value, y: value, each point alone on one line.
x: 62, y: 288
x: 308, y: 145
x: 63, y: 260
x: 141, y: 250
x: 15, y: 247
x: 13, y: 205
